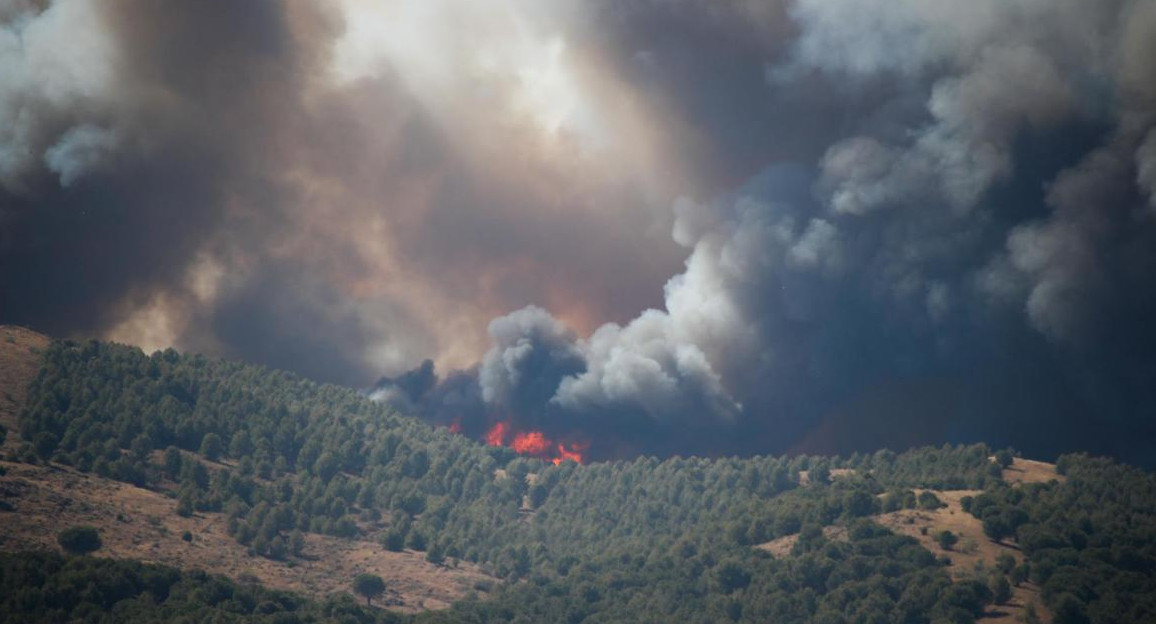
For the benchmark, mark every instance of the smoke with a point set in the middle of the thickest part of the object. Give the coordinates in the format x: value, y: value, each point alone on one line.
x: 299, y: 185
x: 887, y: 222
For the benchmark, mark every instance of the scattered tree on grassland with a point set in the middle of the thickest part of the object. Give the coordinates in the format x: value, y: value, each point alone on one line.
x: 369, y: 586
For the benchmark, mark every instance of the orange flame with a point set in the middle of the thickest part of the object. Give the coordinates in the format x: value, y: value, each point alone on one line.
x: 573, y: 453
x: 531, y: 443
x: 534, y: 444
x: 496, y: 436
x: 456, y: 426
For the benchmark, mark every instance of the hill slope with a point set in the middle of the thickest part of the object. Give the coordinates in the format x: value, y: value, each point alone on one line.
x: 282, y: 469
x: 20, y: 351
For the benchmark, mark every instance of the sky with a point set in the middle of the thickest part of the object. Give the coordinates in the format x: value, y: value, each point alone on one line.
x: 649, y: 226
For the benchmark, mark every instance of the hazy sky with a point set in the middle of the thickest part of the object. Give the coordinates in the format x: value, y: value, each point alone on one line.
x: 667, y: 225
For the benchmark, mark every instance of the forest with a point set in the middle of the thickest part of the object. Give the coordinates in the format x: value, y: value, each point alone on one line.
x: 648, y: 539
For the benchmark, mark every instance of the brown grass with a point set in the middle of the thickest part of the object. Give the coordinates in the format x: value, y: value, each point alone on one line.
x: 1031, y: 471
x: 974, y: 556
x: 137, y: 523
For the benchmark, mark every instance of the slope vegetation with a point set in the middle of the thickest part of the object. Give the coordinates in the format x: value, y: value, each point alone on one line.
x: 280, y: 471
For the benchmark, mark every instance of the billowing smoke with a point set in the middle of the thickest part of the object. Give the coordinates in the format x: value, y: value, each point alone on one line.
x: 899, y: 221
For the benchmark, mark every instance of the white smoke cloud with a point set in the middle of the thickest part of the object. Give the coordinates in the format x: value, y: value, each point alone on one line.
x: 80, y: 150
x: 58, y: 80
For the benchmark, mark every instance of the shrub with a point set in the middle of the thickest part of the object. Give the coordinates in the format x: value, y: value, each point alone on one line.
x: 79, y: 540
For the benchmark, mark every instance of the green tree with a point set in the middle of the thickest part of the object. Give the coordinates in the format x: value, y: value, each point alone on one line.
x: 996, y: 528
x: 435, y: 554
x: 240, y: 446
x: 731, y: 576
x: 173, y: 461
x: 1070, y: 610
x: 947, y: 539
x: 45, y: 443
x: 79, y: 540
x: 368, y: 586
x: 820, y: 474
x: 212, y: 447
x: 1004, y: 458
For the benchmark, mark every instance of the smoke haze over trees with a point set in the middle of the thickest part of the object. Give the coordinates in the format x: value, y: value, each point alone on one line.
x: 661, y: 227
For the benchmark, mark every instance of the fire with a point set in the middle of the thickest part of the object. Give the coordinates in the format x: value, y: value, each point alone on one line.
x: 574, y: 453
x: 496, y: 436
x: 531, y: 443
x: 535, y: 444
x: 456, y: 426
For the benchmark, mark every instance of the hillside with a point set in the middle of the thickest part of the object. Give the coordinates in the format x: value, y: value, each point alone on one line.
x: 20, y: 351
x: 301, y: 486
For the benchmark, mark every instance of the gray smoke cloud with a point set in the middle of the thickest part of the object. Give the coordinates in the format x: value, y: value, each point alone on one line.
x: 984, y: 207
x: 888, y: 222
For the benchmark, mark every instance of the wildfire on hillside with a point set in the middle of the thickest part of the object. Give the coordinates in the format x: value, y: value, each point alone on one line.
x: 534, y: 444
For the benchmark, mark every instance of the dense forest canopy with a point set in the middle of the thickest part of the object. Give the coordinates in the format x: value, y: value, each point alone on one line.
x: 648, y: 540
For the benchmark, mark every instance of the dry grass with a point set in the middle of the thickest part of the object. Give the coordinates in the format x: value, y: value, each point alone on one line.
x: 974, y: 556
x: 137, y: 523
x: 1031, y: 471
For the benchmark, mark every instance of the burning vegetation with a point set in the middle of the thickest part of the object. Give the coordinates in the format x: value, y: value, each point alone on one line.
x: 533, y: 443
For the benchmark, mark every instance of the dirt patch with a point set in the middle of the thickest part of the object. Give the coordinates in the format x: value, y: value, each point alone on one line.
x: 1031, y: 471
x: 137, y: 523
x: 974, y: 556
x: 20, y: 350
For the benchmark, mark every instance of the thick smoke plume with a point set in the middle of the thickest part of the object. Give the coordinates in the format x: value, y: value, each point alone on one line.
x: 899, y: 221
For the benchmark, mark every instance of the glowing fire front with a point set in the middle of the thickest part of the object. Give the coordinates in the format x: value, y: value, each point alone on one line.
x: 534, y: 444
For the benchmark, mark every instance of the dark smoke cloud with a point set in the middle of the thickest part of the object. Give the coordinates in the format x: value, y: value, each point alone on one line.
x: 960, y: 250
x: 899, y: 222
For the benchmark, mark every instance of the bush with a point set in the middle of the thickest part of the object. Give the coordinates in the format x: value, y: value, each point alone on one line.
x: 947, y: 539
x: 79, y: 540
x: 928, y: 500
x: 393, y: 541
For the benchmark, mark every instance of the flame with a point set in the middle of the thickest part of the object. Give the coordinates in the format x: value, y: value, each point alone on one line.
x: 531, y: 443
x: 456, y: 426
x: 496, y: 436
x: 573, y: 453
x: 534, y: 444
